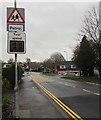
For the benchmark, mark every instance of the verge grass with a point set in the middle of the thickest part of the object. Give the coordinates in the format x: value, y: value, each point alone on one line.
x: 93, y: 79
x: 49, y: 74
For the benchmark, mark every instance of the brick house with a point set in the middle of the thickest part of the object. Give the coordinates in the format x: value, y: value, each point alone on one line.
x: 66, y: 68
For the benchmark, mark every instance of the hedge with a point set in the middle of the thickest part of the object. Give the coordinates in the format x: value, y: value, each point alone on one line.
x: 9, y: 74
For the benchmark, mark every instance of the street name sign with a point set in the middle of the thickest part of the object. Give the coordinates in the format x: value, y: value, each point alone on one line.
x: 16, y: 16
x: 16, y: 43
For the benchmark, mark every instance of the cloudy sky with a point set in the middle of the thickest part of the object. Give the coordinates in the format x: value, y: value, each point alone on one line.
x: 50, y: 27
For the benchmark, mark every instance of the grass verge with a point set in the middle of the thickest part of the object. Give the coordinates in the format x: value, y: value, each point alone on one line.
x: 92, y: 79
x: 49, y: 74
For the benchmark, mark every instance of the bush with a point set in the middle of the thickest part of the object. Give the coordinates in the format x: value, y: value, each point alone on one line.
x: 7, y: 108
x: 5, y: 84
x: 9, y: 74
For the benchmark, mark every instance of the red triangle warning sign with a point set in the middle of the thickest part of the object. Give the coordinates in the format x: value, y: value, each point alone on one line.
x: 15, y: 17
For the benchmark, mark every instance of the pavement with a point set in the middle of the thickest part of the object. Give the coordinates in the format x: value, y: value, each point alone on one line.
x: 34, y: 103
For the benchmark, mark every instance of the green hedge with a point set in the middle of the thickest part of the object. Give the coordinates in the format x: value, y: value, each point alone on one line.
x: 9, y: 74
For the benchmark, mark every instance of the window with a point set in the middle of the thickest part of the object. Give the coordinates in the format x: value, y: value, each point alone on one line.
x: 73, y: 67
x: 62, y: 67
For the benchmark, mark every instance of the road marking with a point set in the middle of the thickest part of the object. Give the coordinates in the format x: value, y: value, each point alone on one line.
x: 66, y: 84
x: 96, y: 93
x: 90, y: 92
x: 85, y: 90
x: 69, y: 85
x: 93, y: 83
x: 61, y: 104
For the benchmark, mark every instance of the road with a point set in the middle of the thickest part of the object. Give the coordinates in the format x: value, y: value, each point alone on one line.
x: 82, y: 98
x: 35, y: 104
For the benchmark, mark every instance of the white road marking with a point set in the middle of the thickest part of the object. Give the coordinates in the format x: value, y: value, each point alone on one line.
x: 90, y: 92
x: 96, y: 93
x: 66, y: 84
x: 70, y: 85
x: 85, y: 90
x: 92, y: 83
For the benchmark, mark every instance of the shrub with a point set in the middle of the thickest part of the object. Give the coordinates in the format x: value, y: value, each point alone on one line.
x: 5, y: 84
x: 7, y: 108
x: 9, y: 74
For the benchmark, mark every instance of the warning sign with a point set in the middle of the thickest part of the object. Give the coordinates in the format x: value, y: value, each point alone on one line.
x: 15, y: 17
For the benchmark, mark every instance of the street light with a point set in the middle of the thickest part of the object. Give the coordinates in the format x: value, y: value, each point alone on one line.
x: 66, y: 55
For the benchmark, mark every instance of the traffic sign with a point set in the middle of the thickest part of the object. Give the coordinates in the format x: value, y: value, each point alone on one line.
x: 15, y: 16
x: 13, y: 28
x: 16, y: 43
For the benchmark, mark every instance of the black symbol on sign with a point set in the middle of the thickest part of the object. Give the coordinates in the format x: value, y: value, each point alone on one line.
x: 15, y: 17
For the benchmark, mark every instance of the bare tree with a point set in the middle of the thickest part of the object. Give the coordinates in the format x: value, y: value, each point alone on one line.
x: 28, y: 61
x: 57, y: 56
x: 49, y: 64
x: 91, y: 28
x: 10, y: 60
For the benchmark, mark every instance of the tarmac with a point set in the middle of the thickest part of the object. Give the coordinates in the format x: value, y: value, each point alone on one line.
x: 34, y: 103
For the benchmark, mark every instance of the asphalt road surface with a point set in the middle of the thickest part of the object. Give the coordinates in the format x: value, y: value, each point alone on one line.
x: 35, y: 104
x: 82, y: 98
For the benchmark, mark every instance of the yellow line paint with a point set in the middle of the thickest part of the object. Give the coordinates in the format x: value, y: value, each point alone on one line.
x: 67, y: 108
x: 61, y: 104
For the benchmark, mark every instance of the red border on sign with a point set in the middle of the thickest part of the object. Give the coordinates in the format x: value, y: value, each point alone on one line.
x: 15, y: 9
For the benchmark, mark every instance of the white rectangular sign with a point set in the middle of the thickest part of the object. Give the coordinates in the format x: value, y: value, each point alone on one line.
x: 18, y: 28
x: 16, y: 36
x: 16, y: 43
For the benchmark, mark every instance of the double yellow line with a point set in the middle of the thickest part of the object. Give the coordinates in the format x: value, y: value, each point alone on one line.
x: 61, y: 104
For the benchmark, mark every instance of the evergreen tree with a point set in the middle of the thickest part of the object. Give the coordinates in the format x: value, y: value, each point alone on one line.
x: 85, y: 57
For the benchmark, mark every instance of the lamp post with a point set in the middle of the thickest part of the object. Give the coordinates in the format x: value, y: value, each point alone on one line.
x: 66, y: 55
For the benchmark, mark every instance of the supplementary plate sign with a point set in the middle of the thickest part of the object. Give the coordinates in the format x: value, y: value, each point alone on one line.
x: 18, y: 28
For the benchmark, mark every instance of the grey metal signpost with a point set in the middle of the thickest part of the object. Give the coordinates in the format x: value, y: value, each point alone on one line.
x: 16, y: 112
x: 16, y: 87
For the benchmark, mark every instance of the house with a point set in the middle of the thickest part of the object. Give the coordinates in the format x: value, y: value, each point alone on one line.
x: 66, y: 68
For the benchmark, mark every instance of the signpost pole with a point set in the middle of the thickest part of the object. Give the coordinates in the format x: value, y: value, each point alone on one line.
x: 15, y: 4
x: 16, y: 90
x: 16, y: 85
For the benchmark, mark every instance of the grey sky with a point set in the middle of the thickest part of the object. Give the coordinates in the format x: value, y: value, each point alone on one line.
x: 50, y: 27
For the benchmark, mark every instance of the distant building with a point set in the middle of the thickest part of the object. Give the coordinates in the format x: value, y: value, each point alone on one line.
x: 66, y: 68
